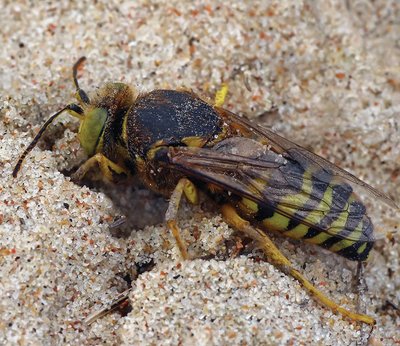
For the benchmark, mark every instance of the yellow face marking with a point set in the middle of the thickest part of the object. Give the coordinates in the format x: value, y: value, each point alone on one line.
x: 90, y: 129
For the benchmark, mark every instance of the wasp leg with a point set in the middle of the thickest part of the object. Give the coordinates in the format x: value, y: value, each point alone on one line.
x: 220, y: 95
x: 118, y: 221
x: 184, y: 186
x: 113, y: 305
x: 360, y: 284
x: 279, y: 260
x: 107, y: 168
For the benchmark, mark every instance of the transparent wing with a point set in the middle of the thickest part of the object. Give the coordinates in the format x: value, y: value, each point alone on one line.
x: 301, y: 155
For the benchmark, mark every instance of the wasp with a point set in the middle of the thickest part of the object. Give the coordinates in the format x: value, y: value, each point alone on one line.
x: 177, y: 144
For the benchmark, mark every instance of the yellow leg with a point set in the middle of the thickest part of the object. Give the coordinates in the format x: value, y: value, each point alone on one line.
x: 107, y: 168
x: 220, y: 95
x: 186, y: 187
x: 278, y: 259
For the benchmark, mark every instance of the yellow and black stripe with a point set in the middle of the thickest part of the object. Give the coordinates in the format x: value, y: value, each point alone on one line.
x: 311, y: 206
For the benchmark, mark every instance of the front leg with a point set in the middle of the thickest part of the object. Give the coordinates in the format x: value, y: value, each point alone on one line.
x: 184, y: 186
x: 107, y: 168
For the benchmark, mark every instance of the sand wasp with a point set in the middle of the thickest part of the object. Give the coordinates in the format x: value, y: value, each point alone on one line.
x: 176, y: 144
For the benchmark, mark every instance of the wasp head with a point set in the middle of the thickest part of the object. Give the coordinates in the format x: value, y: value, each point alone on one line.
x: 111, y: 100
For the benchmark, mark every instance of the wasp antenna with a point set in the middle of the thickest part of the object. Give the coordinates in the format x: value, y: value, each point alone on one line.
x: 75, y: 69
x: 82, y: 96
x: 72, y: 107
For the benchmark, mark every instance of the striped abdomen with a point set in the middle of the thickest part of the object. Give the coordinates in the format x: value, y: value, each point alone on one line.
x: 313, y: 207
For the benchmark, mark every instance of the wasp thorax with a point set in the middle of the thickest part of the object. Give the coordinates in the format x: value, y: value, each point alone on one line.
x: 114, y: 96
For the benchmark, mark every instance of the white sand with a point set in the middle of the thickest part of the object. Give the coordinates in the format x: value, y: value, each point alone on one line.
x: 333, y: 72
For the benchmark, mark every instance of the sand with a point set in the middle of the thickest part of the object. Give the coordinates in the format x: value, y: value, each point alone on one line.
x: 330, y: 69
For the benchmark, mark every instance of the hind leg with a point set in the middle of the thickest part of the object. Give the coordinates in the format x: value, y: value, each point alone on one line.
x: 279, y: 260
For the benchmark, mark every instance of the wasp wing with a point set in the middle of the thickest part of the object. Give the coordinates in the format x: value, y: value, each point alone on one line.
x: 275, y: 183
x: 304, y: 157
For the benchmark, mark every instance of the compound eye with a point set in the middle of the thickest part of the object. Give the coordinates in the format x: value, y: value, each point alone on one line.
x: 91, y: 129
